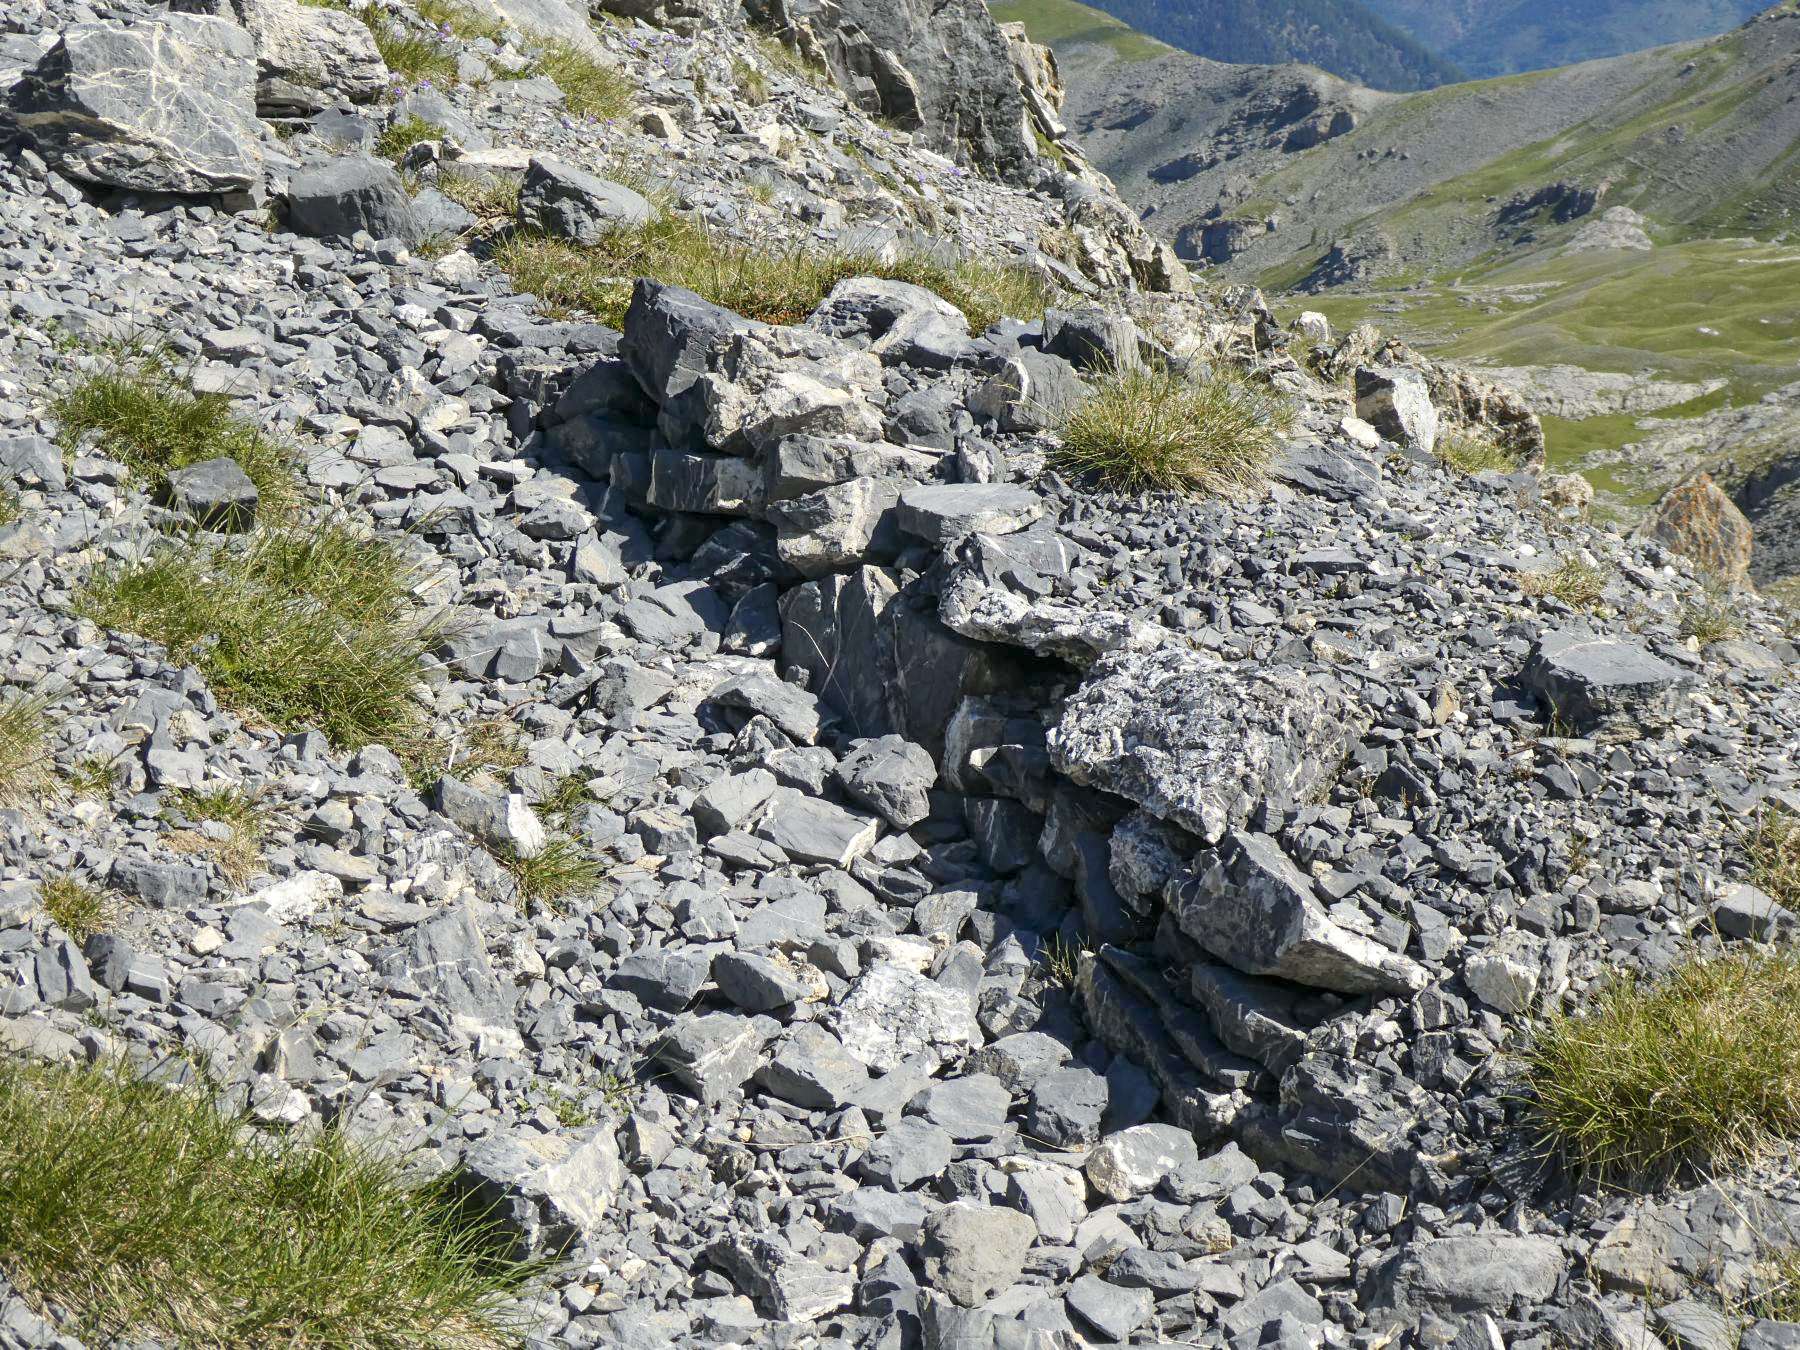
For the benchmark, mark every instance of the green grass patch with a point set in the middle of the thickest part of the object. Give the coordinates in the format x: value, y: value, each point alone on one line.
x: 1675, y: 1079
x: 490, y: 198
x: 10, y: 509
x: 489, y: 744
x: 560, y: 869
x: 1154, y: 427
x: 402, y: 136
x: 148, y: 1214
x: 750, y: 82
x: 1578, y: 584
x: 776, y: 283
x: 95, y: 776
x: 75, y: 907
x: 1064, y: 23
x: 303, y: 626
x: 590, y: 87
x: 1714, y: 618
x: 412, y: 56
x: 145, y: 415
x: 24, y: 746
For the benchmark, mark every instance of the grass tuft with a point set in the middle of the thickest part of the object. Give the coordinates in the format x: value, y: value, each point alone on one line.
x: 590, y: 87
x: 1678, y: 1079
x: 1578, y: 584
x: 403, y: 136
x: 152, y: 421
x: 77, y: 908
x: 1710, y: 620
x: 560, y: 869
x: 492, y: 199
x: 409, y: 55
x: 304, y: 626
x: 772, y: 282
x: 151, y: 1216
x: 10, y: 510
x: 95, y: 776
x: 750, y: 82
x: 1773, y: 847
x: 1470, y: 455
x: 460, y: 20
x: 490, y: 744
x: 24, y: 746
x: 243, y: 820
x: 1152, y: 426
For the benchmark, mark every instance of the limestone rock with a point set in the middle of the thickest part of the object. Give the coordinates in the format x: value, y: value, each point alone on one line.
x: 1698, y: 521
x: 1198, y: 741
x: 564, y: 201
x: 1250, y: 906
x: 972, y: 1251
x: 158, y: 105
x: 1604, y: 685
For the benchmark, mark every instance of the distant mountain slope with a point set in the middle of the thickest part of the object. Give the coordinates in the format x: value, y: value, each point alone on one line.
x: 1701, y: 138
x: 1341, y: 36
x: 1501, y: 37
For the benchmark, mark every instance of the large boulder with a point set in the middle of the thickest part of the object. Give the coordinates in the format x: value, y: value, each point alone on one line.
x: 559, y: 199
x: 1201, y: 742
x: 307, y: 58
x: 334, y: 198
x: 1698, y: 521
x: 166, y: 104
x: 1604, y: 686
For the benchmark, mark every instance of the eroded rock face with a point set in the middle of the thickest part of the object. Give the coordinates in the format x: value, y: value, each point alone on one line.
x: 166, y: 105
x: 942, y: 71
x: 1198, y: 741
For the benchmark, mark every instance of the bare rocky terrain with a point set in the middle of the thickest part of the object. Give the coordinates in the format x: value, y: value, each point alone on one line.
x: 995, y: 911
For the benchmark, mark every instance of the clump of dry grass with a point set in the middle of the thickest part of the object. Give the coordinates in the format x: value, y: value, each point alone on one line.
x: 1151, y: 426
x: 1678, y: 1078
x: 1578, y: 584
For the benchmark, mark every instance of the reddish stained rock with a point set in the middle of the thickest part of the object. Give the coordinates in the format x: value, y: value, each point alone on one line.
x: 1698, y: 521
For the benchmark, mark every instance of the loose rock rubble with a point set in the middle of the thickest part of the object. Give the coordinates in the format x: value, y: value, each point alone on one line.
x: 1033, y: 916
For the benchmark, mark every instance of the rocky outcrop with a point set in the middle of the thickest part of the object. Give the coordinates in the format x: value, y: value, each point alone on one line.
x: 944, y: 72
x: 307, y: 57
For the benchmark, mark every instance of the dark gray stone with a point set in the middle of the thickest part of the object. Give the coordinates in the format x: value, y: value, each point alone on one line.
x: 559, y: 199
x: 1603, y: 685
x: 334, y: 198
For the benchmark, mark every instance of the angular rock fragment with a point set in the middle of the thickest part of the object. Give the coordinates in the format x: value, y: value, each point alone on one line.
x: 941, y: 513
x: 1251, y: 907
x: 893, y: 776
x: 549, y: 1191
x: 784, y: 1284
x: 1397, y: 402
x: 713, y: 1053
x: 972, y: 1252
x: 559, y: 199
x: 1198, y: 741
x: 892, y: 1014
x: 334, y: 198
x: 1471, y: 1274
x: 1604, y: 686
x: 216, y: 493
